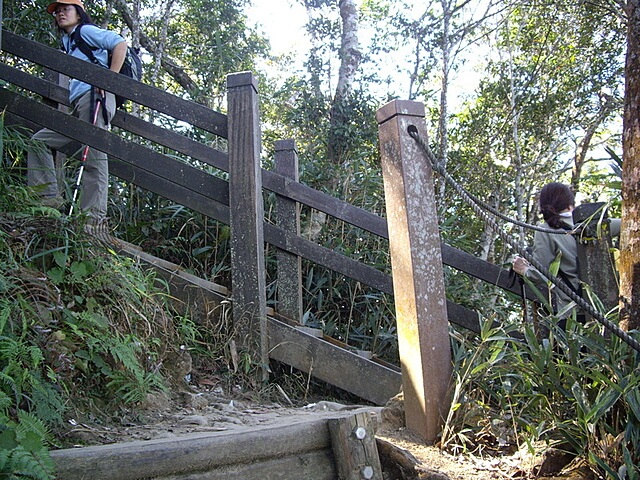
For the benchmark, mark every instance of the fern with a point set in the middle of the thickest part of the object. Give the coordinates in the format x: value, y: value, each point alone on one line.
x: 4, y: 316
x: 48, y: 404
x: 28, y: 424
x: 134, y: 388
x: 23, y: 453
x: 21, y: 379
x: 34, y: 465
x: 124, y: 351
x: 8, y: 382
x: 5, y: 403
x: 5, y: 454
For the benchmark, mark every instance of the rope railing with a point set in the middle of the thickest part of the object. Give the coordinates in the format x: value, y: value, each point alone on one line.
x: 470, y: 199
x: 506, y: 218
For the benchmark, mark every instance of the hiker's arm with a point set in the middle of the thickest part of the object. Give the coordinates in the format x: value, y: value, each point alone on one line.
x: 117, y: 56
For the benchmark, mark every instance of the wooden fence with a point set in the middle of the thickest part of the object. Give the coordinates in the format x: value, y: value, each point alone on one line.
x: 237, y: 202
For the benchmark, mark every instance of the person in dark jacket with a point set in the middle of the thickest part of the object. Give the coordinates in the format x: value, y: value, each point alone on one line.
x: 556, y: 202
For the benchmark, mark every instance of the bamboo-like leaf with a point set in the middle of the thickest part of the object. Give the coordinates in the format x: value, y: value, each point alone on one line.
x: 632, y: 471
x: 602, y: 464
x: 581, y: 399
x: 632, y: 397
x: 602, y: 403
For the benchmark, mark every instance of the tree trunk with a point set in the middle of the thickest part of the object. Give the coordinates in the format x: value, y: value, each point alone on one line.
x: 162, y: 41
x: 629, y: 238
x: 443, y: 131
x: 350, y: 55
x: 350, y: 58
x: 607, y: 105
x: 135, y: 27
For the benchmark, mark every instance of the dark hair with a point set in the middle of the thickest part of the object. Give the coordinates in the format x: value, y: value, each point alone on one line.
x: 554, y: 198
x: 84, y: 17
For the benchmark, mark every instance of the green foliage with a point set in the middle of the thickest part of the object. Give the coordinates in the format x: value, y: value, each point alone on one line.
x: 22, y: 369
x: 575, y: 388
x: 206, y: 39
x: 213, y: 40
x: 78, y: 323
x: 176, y: 234
x: 598, y: 183
x: 23, y: 452
x: 346, y: 310
x: 30, y: 19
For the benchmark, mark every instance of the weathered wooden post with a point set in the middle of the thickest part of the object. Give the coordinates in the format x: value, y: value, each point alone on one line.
x: 595, y: 261
x: 246, y: 211
x: 416, y: 262
x: 288, y: 218
x: 59, y: 158
x: 353, y: 441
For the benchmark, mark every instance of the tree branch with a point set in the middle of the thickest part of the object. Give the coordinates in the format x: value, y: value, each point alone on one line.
x: 172, y: 68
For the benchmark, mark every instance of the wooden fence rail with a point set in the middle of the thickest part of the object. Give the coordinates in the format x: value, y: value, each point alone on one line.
x: 135, y: 162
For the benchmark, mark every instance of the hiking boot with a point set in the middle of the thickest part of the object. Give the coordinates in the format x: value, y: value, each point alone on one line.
x: 96, y: 226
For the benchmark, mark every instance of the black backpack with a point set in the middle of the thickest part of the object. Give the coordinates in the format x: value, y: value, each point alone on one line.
x: 132, y: 66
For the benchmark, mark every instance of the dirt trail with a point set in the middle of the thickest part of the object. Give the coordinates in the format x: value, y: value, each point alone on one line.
x: 210, y: 412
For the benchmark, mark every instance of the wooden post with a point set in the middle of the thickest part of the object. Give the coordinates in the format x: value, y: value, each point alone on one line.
x: 595, y: 262
x: 416, y: 261
x: 246, y: 211
x: 288, y: 218
x: 354, y: 447
x: 59, y: 158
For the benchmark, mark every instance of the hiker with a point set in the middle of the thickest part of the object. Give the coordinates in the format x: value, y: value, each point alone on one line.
x: 556, y: 205
x: 84, y: 99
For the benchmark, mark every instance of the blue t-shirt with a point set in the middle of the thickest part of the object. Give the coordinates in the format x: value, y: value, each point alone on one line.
x: 100, y: 39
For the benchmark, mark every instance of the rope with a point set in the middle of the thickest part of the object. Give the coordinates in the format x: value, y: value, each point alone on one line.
x: 504, y: 217
x: 580, y: 302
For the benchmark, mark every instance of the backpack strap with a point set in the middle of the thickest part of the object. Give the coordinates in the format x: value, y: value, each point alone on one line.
x: 79, y: 42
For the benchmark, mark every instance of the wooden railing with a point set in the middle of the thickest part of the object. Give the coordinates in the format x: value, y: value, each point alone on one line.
x: 195, y: 188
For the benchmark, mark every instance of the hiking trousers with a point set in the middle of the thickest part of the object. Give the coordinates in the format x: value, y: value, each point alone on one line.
x: 41, y: 170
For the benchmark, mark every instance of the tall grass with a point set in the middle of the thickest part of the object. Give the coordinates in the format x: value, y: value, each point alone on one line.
x: 576, y: 389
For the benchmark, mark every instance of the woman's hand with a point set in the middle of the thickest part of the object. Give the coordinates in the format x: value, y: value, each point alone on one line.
x: 520, y: 265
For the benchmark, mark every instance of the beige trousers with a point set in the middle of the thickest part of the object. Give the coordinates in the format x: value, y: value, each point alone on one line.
x: 95, y: 179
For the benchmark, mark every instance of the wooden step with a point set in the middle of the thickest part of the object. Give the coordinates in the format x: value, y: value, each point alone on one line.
x: 300, y: 449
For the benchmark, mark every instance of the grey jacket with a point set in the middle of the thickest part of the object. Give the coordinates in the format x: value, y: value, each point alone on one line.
x: 546, y: 248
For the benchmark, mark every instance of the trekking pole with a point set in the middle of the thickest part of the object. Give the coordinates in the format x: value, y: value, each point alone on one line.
x: 83, y: 160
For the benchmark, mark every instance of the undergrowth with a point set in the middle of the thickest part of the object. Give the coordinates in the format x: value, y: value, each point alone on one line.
x: 576, y: 389
x: 83, y: 330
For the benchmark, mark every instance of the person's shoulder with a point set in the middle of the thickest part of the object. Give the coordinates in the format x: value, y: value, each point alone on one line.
x: 88, y: 27
x: 540, y: 236
x: 92, y: 29
x: 546, y: 226
x: 565, y: 225
x: 98, y: 35
x: 86, y: 30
